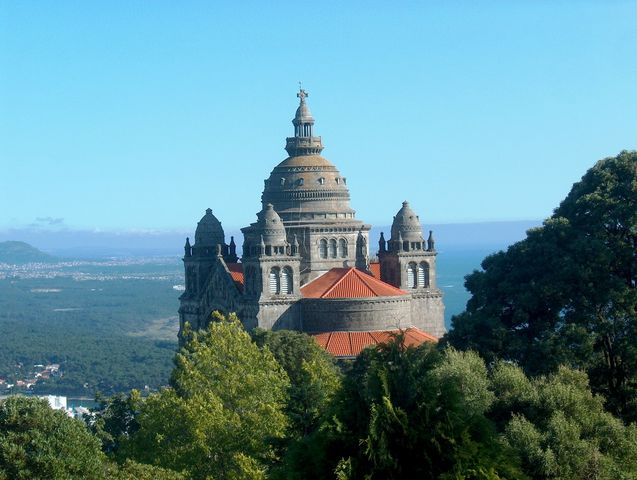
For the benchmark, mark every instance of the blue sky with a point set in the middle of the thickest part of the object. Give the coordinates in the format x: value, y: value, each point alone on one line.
x: 139, y: 115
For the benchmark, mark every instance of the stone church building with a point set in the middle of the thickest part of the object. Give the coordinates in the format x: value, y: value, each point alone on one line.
x: 305, y: 262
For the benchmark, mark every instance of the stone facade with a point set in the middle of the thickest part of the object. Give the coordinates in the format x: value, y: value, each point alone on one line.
x: 305, y: 229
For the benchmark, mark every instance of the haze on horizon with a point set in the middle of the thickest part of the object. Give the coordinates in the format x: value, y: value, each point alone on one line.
x: 127, y: 116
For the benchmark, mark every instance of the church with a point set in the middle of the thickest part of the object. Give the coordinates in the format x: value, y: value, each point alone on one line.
x: 305, y: 262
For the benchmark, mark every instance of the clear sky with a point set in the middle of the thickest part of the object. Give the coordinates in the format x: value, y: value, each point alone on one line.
x: 139, y: 115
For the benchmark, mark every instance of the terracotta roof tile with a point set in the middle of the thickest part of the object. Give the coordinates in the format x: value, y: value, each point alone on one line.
x: 236, y: 272
x: 350, y: 344
x: 348, y: 283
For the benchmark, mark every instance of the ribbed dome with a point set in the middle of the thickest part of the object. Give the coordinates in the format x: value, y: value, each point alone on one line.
x: 407, y: 223
x: 303, y: 113
x: 270, y: 226
x: 307, y: 187
x: 209, y: 232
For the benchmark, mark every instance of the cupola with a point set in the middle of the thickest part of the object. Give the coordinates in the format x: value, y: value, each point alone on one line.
x: 209, y: 232
x: 267, y: 235
x: 303, y: 142
x: 406, y: 231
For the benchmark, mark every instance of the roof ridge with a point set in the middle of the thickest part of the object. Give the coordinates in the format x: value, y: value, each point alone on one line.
x: 336, y: 283
x: 360, y: 275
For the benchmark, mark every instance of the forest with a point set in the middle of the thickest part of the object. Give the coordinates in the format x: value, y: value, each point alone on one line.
x: 536, y: 380
x: 106, y: 337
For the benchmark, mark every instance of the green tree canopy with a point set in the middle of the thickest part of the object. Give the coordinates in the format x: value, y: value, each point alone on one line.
x: 314, y: 376
x: 223, y: 412
x: 37, y: 442
x: 408, y: 413
x: 114, y: 420
x: 567, y: 293
x: 559, y: 428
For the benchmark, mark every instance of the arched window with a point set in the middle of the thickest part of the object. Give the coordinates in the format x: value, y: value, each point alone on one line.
x: 321, y: 181
x: 342, y: 248
x: 286, y: 281
x: 411, y: 275
x: 323, y: 248
x: 333, y: 248
x: 423, y: 274
x: 275, y: 281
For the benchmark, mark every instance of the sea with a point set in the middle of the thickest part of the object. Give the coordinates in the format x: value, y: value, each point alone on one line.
x: 452, y: 267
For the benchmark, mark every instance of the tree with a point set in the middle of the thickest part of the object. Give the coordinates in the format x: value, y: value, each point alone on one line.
x: 114, y: 421
x: 408, y: 413
x: 314, y: 376
x: 131, y: 470
x: 39, y: 442
x: 567, y: 293
x: 223, y: 412
x: 559, y: 428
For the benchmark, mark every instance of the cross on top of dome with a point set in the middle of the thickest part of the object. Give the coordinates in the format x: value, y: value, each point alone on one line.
x: 302, y: 94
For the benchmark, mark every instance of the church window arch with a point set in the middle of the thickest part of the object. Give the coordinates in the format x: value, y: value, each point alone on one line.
x: 275, y: 280
x: 423, y: 274
x: 411, y: 275
x: 286, y: 281
x: 323, y: 248
x: 300, y: 182
x: 333, y: 248
x: 342, y: 248
x: 321, y: 181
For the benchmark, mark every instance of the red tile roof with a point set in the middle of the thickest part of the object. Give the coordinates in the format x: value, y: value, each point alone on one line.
x: 236, y: 272
x: 348, y: 283
x: 350, y: 344
x: 374, y: 269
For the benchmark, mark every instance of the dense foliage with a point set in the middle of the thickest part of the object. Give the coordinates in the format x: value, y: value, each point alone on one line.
x: 224, y: 410
x: 38, y: 442
x: 100, y: 332
x: 567, y: 293
x: 314, y: 377
x: 407, y: 413
x: 397, y: 413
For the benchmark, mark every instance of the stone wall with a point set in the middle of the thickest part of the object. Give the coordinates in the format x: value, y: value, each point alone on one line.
x: 428, y: 312
x: 279, y: 314
x: 356, y: 314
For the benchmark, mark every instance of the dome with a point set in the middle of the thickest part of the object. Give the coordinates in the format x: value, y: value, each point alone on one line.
x: 209, y: 232
x: 303, y: 113
x: 407, y: 224
x: 270, y: 226
x: 307, y: 187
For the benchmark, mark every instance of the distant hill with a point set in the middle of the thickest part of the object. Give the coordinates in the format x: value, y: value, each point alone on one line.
x: 21, y: 252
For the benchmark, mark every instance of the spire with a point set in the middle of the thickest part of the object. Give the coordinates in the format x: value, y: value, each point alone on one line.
x: 232, y: 251
x: 188, y: 248
x: 304, y: 142
x: 382, y: 244
x: 431, y: 244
